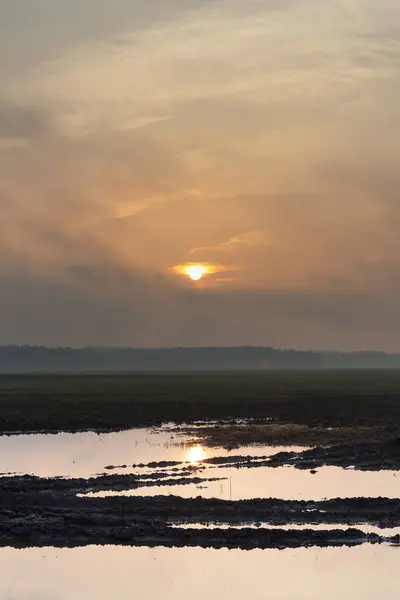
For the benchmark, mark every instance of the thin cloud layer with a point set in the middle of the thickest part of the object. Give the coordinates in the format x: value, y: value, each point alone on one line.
x: 260, y: 135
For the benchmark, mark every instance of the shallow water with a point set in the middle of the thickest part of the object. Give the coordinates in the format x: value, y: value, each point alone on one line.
x: 362, y: 573
x: 287, y: 483
x: 83, y: 454
x: 87, y: 454
x: 366, y: 572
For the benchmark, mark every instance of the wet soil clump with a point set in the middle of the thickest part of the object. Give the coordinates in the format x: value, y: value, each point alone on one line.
x: 361, y: 456
x: 35, y: 512
x: 365, y: 456
x: 232, y: 435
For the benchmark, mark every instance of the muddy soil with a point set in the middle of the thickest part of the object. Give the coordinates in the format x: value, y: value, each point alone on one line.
x: 37, y: 512
x: 77, y: 534
x: 119, y: 483
x: 232, y: 435
x: 365, y: 456
x: 360, y: 456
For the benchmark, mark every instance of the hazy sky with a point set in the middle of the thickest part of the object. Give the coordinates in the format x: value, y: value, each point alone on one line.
x: 260, y: 135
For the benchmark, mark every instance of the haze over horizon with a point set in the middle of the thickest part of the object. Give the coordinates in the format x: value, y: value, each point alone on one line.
x: 258, y: 137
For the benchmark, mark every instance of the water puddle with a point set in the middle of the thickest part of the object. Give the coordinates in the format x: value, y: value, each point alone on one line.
x: 167, y: 462
x: 165, y: 453
x: 287, y: 483
x: 88, y: 454
x: 361, y: 573
x: 84, y: 454
x: 246, y: 483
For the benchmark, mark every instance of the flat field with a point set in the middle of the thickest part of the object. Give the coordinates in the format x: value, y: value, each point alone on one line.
x: 348, y: 420
x: 50, y: 403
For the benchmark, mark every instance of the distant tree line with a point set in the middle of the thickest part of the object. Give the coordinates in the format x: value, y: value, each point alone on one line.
x: 27, y: 359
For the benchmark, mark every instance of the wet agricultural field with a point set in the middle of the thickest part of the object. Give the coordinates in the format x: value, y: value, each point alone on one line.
x: 262, y: 506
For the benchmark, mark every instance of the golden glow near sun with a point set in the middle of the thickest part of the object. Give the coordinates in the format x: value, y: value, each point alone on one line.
x: 196, y: 454
x: 195, y: 271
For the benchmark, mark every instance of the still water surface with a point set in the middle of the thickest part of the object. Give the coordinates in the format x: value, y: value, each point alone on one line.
x: 84, y: 454
x: 87, y: 454
x: 362, y: 573
x: 287, y: 483
x: 366, y: 572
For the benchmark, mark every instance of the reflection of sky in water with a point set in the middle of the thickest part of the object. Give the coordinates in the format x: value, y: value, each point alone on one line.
x: 361, y: 573
x: 282, y: 482
x: 86, y: 454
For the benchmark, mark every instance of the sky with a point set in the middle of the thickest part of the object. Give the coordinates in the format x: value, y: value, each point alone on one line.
x: 258, y: 136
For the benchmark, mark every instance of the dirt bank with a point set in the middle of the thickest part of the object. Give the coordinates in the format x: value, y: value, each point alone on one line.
x: 35, y: 512
x: 232, y: 435
x: 62, y: 535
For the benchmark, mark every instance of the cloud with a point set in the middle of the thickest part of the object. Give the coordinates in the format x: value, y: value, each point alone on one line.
x: 260, y: 135
x: 56, y: 27
x: 23, y: 122
x: 56, y: 196
x: 110, y: 307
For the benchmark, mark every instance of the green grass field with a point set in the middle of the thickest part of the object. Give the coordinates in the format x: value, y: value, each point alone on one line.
x: 107, y: 402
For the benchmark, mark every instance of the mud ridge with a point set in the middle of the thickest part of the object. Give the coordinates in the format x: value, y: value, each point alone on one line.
x: 151, y: 536
x: 36, y: 511
x: 363, y: 456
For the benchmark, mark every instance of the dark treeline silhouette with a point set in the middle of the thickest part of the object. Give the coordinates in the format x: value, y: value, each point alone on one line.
x: 27, y: 359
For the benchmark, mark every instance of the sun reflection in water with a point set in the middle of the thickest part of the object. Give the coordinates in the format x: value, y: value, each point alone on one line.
x: 196, y: 454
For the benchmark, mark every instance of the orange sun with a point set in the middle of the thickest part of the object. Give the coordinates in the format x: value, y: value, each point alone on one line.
x: 196, y: 272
